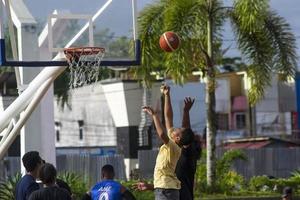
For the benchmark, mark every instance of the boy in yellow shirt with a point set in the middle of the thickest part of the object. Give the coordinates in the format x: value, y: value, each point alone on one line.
x: 166, y: 184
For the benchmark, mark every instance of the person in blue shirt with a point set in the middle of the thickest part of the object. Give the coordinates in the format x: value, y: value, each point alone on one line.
x: 108, y: 189
x: 32, y: 163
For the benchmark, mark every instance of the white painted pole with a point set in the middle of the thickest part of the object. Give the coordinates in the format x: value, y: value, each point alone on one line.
x: 22, y: 101
x: 13, y: 44
x: 6, y: 132
x: 1, y: 21
x: 91, y: 33
x: 24, y: 116
x: 134, y: 19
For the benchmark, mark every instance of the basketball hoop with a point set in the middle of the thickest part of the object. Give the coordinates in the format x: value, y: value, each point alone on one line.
x: 84, y: 64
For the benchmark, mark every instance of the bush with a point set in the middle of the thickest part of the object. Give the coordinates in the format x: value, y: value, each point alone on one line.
x: 8, y: 188
x: 260, y: 183
x: 265, y: 184
x: 76, y: 183
x: 228, y: 181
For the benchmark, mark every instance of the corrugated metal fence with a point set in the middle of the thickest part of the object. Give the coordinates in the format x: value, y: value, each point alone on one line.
x: 277, y: 162
x: 87, y: 166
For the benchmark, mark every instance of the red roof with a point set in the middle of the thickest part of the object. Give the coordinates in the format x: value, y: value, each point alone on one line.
x: 258, y: 142
x: 246, y: 145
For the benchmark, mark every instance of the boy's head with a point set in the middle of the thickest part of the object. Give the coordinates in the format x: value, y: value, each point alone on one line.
x: 48, y: 174
x: 31, y: 161
x: 287, y: 193
x: 183, y: 136
x: 108, y: 172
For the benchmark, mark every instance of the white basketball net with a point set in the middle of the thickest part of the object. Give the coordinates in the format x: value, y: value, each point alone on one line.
x: 84, y: 65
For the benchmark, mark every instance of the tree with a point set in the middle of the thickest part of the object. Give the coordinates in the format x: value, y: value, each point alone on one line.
x: 264, y: 39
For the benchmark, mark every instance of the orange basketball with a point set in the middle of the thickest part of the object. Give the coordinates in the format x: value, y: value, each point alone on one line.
x: 169, y: 41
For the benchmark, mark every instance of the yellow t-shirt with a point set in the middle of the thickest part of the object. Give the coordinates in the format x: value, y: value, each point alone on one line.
x: 166, y: 161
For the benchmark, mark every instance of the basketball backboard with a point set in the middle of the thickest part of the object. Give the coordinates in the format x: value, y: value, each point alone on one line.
x: 60, y: 24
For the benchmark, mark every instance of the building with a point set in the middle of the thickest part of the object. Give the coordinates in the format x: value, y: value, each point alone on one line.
x: 274, y: 115
x: 98, y: 115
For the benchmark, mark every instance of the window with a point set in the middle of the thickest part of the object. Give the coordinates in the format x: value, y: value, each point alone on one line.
x: 222, y: 121
x: 80, y: 124
x: 57, y: 130
x: 240, y: 120
x: 57, y: 135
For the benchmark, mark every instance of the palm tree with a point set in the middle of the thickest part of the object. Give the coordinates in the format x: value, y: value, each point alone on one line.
x: 263, y: 37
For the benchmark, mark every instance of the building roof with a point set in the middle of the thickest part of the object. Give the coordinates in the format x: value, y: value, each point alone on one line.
x: 257, y: 143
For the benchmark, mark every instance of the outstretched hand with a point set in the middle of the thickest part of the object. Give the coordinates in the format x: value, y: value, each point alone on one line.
x: 188, y: 103
x: 142, y: 186
x: 165, y: 89
x: 149, y: 110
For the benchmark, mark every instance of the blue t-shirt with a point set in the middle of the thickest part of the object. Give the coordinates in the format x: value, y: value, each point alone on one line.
x: 106, y: 190
x: 25, y: 187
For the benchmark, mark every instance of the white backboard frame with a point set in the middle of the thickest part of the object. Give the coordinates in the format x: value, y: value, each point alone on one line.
x: 89, y: 24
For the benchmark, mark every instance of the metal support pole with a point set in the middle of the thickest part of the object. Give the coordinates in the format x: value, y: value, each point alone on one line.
x: 24, y: 116
x: 22, y: 101
x: 1, y: 21
x: 13, y: 44
x: 134, y: 19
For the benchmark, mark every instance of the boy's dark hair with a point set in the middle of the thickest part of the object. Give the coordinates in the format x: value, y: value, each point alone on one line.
x: 48, y: 173
x: 108, y: 171
x: 187, y: 137
x: 31, y: 160
x: 287, y: 191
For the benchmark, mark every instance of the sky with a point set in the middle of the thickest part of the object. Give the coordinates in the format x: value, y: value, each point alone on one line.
x: 289, y: 9
x: 118, y: 15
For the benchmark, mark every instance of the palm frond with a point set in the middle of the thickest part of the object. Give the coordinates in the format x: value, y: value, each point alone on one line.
x: 251, y: 13
x: 8, y: 187
x: 150, y: 26
x: 256, y: 48
x: 284, y: 43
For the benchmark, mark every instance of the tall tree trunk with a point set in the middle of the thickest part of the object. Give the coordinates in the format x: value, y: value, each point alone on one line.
x: 210, y: 108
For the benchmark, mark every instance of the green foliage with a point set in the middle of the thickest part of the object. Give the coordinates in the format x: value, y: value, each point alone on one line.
x: 143, y: 195
x: 8, y: 187
x: 251, y: 13
x: 228, y: 181
x: 259, y: 183
x: 76, y: 182
x: 265, y: 184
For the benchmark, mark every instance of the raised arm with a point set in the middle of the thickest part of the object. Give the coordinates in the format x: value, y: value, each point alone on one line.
x: 143, y: 186
x: 167, y: 107
x: 188, y: 103
x: 159, y: 128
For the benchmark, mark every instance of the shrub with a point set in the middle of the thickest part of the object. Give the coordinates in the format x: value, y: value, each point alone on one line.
x: 76, y: 183
x: 231, y: 183
x: 228, y: 181
x: 8, y: 188
x: 260, y: 183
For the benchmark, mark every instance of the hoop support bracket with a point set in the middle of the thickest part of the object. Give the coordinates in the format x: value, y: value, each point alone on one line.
x: 115, y: 63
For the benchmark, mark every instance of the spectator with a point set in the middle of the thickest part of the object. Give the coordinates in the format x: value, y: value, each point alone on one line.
x: 51, y: 191
x: 32, y: 163
x: 108, y: 189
